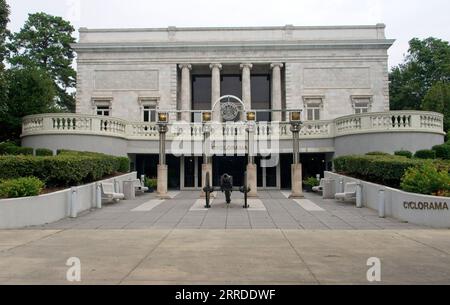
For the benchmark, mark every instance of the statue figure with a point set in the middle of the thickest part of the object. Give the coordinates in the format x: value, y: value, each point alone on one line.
x: 226, y: 186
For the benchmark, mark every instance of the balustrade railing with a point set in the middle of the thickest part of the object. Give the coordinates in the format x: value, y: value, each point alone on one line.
x: 354, y: 124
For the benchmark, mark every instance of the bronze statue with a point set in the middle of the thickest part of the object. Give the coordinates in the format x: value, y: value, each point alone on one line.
x: 226, y: 186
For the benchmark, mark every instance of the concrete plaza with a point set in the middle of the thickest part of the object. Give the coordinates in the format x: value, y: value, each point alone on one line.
x: 177, y: 242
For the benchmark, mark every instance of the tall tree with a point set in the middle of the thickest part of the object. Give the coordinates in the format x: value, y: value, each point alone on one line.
x: 438, y: 99
x: 427, y: 63
x: 4, y: 19
x: 45, y: 42
x: 29, y: 91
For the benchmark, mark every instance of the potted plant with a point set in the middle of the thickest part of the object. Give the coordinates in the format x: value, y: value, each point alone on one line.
x: 309, y: 183
x: 152, y: 184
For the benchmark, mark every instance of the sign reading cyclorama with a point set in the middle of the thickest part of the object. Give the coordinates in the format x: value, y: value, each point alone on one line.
x: 436, y: 206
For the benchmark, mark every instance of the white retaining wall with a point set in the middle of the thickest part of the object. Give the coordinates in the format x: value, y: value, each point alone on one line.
x: 40, y: 210
x: 431, y: 211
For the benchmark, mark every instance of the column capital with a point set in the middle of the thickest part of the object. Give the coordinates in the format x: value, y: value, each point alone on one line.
x: 215, y: 66
x: 246, y: 65
x: 185, y: 66
x: 276, y: 65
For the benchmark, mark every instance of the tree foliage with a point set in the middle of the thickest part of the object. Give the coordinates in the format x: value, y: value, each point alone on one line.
x: 422, y: 77
x: 427, y: 62
x: 438, y: 99
x: 29, y: 91
x: 4, y: 19
x: 45, y: 42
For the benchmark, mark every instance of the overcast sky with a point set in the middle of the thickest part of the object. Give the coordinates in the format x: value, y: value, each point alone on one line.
x: 405, y: 19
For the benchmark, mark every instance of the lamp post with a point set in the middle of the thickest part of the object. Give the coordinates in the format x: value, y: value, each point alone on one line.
x: 207, y: 164
x: 163, y: 120
x: 251, y: 166
x: 296, y: 170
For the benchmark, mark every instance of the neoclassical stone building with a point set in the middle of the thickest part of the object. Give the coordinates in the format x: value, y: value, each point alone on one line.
x: 338, y: 77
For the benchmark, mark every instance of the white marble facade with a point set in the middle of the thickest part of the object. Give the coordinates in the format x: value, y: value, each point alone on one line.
x: 127, y: 68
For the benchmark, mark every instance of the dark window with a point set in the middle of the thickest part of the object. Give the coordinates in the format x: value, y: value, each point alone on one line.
x: 150, y: 113
x: 261, y: 99
x: 231, y: 85
x: 201, y: 92
x: 103, y: 110
x: 201, y: 95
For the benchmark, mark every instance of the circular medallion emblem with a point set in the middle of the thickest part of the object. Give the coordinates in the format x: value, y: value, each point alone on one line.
x: 229, y: 111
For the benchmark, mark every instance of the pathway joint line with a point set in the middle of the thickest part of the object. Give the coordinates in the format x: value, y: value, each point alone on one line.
x: 300, y: 257
x: 423, y: 244
x: 146, y: 256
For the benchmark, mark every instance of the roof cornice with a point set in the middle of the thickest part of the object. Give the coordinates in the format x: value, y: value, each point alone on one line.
x: 264, y: 45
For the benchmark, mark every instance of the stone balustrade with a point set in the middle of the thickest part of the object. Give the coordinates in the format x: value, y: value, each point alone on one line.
x: 413, y: 121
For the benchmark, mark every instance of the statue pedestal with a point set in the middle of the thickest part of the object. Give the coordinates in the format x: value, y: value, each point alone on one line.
x: 252, y: 180
x: 162, y: 181
x: 297, y: 182
x: 206, y: 168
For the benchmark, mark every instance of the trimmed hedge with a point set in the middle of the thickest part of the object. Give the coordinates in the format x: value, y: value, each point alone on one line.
x: 425, y: 154
x: 10, y: 148
x: 43, y: 152
x: 66, y: 169
x: 21, y: 187
x: 404, y: 153
x: 377, y: 153
x: 442, y: 151
x: 386, y: 170
x: 124, y: 165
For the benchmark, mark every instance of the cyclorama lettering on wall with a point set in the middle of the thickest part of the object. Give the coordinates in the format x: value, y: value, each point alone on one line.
x: 437, y: 206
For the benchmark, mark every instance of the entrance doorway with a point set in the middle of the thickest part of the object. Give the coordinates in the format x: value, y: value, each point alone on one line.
x: 234, y: 166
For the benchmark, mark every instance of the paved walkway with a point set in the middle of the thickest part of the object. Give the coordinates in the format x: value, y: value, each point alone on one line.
x: 271, y: 211
x: 177, y: 241
x: 224, y: 256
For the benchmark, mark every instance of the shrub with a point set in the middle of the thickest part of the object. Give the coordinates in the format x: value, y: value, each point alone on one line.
x: 66, y: 169
x: 10, y: 148
x: 404, y: 153
x: 43, y: 152
x: 425, y: 154
x: 311, y: 181
x: 21, y: 187
x: 387, y: 170
x: 7, y: 147
x: 426, y: 179
x: 377, y: 153
x: 151, y: 183
x: 442, y: 151
x: 124, y: 165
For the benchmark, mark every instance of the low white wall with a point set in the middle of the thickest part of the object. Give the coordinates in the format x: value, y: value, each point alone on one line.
x: 431, y: 211
x: 40, y: 210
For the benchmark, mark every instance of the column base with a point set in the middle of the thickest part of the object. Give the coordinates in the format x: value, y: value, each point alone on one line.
x: 162, y: 182
x: 252, y: 180
x: 297, y: 182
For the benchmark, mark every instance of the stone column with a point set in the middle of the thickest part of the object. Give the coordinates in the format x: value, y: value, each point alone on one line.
x: 246, y: 85
x: 297, y: 181
x: 163, y: 169
x: 296, y: 171
x: 252, y: 177
x: 276, y: 90
x: 215, y: 89
x: 185, y: 91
